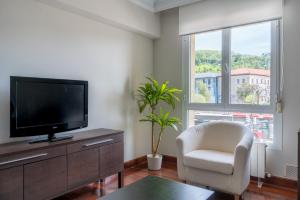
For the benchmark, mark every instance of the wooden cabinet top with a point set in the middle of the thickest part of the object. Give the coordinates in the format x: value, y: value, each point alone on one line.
x: 17, y: 147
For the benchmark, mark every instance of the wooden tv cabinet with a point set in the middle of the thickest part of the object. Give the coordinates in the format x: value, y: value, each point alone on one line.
x: 47, y: 170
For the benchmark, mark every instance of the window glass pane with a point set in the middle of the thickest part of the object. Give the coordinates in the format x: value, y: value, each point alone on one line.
x: 251, y: 63
x: 261, y: 125
x: 206, y: 67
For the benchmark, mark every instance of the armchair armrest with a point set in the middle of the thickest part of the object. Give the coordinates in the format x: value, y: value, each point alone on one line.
x: 243, y: 149
x: 189, y: 140
x: 242, y: 161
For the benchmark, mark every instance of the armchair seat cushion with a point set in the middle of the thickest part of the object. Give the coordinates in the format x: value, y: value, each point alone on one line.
x: 211, y: 160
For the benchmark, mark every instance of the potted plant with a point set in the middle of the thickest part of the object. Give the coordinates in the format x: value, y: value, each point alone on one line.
x: 151, y: 95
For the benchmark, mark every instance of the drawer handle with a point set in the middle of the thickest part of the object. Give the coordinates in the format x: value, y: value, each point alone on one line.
x: 98, y: 142
x: 24, y: 158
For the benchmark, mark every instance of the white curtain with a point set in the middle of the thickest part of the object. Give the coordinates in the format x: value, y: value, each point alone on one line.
x: 216, y: 14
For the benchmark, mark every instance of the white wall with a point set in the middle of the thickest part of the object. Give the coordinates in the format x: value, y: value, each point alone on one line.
x: 122, y: 13
x: 291, y: 113
x: 168, y: 67
x: 42, y: 41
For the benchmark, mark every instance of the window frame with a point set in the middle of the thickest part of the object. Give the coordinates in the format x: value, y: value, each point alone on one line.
x: 225, y: 105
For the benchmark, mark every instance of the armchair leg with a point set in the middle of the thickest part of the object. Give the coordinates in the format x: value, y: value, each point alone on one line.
x: 237, y: 197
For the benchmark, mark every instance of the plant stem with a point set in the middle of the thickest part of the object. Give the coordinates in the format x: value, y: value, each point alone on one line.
x: 158, y: 142
x: 152, y: 131
x: 152, y: 142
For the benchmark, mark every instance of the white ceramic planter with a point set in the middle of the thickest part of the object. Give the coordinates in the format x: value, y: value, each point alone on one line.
x: 154, y: 163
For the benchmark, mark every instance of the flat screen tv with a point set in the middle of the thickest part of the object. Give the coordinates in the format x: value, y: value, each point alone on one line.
x: 40, y: 106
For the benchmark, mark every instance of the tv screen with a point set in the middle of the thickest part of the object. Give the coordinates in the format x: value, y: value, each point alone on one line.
x: 47, y: 106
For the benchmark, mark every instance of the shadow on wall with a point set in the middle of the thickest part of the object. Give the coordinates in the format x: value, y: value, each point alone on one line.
x: 4, y: 111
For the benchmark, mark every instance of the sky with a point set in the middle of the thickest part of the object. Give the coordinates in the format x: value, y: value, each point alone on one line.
x: 250, y: 39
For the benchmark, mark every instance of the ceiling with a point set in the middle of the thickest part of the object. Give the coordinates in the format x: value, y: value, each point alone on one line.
x: 160, y: 5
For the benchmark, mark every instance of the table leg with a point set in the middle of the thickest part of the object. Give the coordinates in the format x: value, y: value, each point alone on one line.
x: 120, y: 179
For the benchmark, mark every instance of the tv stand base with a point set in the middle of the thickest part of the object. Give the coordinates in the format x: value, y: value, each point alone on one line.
x: 51, y: 139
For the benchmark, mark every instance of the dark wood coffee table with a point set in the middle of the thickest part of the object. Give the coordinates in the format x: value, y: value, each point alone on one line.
x: 155, y: 188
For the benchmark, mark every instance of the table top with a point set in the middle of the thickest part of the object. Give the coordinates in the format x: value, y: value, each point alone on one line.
x: 151, y: 187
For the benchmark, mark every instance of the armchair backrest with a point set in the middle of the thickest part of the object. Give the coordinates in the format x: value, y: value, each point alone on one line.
x: 221, y: 135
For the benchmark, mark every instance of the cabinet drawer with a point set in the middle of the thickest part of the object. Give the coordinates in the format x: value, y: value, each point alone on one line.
x: 11, y: 183
x: 111, y: 159
x: 32, y: 156
x: 83, y: 167
x: 45, y: 179
x: 93, y: 143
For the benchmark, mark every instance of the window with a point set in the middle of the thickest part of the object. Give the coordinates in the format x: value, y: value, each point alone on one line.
x: 242, y: 65
x: 207, y: 65
x: 261, y: 125
x: 250, y: 56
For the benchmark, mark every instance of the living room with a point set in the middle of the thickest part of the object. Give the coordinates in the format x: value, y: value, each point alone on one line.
x: 166, y: 99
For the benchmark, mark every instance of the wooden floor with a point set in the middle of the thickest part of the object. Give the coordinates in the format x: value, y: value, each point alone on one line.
x: 96, y: 190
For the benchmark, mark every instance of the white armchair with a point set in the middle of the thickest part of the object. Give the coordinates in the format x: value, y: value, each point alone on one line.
x: 216, y: 154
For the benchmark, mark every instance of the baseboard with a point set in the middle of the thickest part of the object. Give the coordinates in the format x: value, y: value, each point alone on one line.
x: 143, y: 159
x: 169, y: 158
x: 135, y: 162
x: 278, y: 181
x: 274, y: 180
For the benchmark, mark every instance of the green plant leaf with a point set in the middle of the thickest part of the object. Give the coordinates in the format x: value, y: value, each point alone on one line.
x: 149, y: 97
